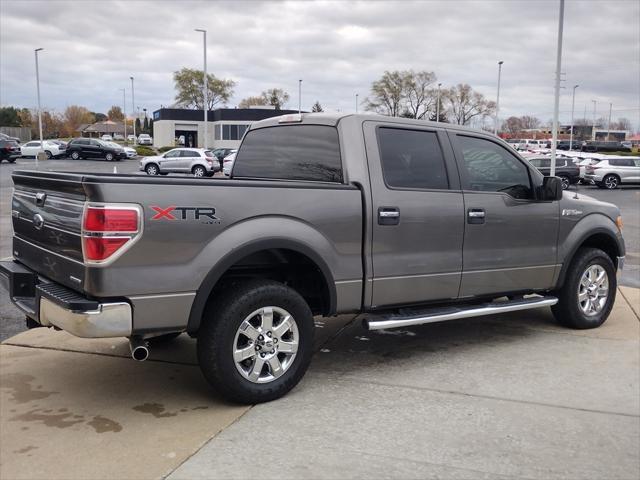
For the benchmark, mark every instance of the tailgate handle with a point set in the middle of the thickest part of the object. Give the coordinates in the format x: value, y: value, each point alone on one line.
x: 40, y: 198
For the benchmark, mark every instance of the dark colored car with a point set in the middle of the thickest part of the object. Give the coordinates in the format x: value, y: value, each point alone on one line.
x: 4, y: 136
x: 221, y: 153
x: 566, y: 170
x: 9, y: 150
x: 93, y: 148
x: 591, y: 146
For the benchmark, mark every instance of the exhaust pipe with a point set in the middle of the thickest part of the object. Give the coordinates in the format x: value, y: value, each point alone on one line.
x: 139, y: 349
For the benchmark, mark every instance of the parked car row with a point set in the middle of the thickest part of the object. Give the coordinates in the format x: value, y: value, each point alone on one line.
x: 583, y: 146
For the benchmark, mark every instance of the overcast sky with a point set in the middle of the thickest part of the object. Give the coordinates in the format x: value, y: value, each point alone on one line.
x: 337, y: 48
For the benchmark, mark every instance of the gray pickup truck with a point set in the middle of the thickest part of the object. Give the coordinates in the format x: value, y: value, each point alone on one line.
x: 406, y: 222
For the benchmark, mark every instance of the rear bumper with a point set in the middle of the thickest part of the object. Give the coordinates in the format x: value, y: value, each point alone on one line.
x: 52, y: 305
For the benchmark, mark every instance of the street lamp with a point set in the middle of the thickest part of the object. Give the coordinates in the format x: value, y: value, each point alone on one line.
x: 556, y: 105
x: 593, y: 128
x: 39, y: 108
x: 609, y: 122
x: 133, y: 110
x: 124, y: 109
x: 300, y: 96
x: 495, y: 128
x: 205, y: 90
x: 438, y: 104
x: 356, y: 103
x: 573, y: 105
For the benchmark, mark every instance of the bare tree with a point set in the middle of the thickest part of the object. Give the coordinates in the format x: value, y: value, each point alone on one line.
x: 387, y: 94
x: 276, y: 97
x: 421, y: 97
x: 251, y: 101
x: 621, y: 124
x: 512, y: 125
x: 529, y: 122
x: 466, y: 104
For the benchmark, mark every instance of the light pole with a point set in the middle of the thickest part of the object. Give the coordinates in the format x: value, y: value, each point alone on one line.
x: 556, y: 106
x: 609, y: 122
x: 495, y: 128
x: 205, y: 90
x: 593, y: 129
x: 300, y: 96
x: 133, y: 110
x: 438, y: 104
x: 39, y: 108
x: 573, y: 106
x: 356, y: 103
x: 124, y: 109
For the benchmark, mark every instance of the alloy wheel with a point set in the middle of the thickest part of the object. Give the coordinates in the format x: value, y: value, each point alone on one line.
x: 593, y: 290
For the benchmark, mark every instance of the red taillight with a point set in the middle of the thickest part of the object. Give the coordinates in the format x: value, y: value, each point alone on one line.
x: 101, y: 248
x: 107, y: 229
x: 110, y: 220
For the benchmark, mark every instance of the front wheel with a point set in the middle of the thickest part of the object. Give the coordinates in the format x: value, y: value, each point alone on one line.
x: 256, y: 344
x: 75, y: 155
x: 48, y: 154
x: 108, y: 157
x: 565, y: 182
x: 151, y: 169
x: 589, y: 291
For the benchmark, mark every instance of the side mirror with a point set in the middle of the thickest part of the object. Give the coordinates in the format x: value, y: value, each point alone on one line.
x: 551, y: 189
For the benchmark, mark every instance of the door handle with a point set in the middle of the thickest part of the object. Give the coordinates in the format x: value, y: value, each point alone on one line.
x: 475, y: 215
x: 388, y: 216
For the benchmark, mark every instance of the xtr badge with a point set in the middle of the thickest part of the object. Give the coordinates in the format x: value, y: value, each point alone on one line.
x: 173, y: 212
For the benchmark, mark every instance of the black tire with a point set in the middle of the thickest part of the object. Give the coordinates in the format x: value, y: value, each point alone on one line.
x: 152, y: 169
x: 611, y: 181
x: 48, y: 154
x: 11, y: 160
x: 568, y: 311
x: 75, y: 156
x: 162, y: 339
x: 566, y: 182
x: 108, y: 156
x: 218, y: 332
x: 199, y: 171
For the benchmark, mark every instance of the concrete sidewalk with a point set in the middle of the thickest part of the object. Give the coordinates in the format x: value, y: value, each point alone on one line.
x: 510, y: 396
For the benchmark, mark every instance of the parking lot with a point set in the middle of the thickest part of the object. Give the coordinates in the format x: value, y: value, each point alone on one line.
x: 511, y: 396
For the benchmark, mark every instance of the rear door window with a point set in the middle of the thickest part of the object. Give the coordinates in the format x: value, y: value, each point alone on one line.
x: 189, y: 154
x: 291, y: 152
x: 412, y: 159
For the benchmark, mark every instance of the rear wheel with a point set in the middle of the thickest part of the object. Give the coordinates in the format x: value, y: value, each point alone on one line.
x: 75, y: 155
x: 11, y: 160
x: 611, y: 181
x: 199, y: 171
x: 108, y: 156
x: 152, y: 169
x: 257, y: 343
x: 586, y: 298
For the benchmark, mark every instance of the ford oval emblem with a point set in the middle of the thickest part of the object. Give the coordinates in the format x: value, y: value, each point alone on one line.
x: 38, y: 221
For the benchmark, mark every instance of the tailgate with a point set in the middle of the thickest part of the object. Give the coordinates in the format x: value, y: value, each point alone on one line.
x: 46, y: 211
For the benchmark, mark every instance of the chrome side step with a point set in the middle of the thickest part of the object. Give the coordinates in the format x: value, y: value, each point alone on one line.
x: 408, y: 318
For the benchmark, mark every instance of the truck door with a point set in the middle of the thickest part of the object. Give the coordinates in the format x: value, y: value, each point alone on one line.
x: 510, y: 240
x: 418, y: 214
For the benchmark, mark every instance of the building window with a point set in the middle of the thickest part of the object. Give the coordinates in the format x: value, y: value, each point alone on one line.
x: 217, y: 132
x: 230, y: 132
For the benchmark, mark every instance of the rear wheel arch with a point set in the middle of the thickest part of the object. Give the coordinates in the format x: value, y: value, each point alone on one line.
x: 267, y: 249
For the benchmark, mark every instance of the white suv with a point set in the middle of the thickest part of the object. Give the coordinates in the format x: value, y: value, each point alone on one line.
x: 145, y: 139
x: 612, y: 172
x: 197, y: 161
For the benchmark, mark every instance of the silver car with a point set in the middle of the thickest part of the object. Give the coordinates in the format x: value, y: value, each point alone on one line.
x: 197, y: 161
x: 612, y: 172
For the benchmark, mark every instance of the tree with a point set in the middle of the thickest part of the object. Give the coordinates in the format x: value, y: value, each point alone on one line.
x: 151, y: 127
x: 420, y: 96
x: 99, y: 117
x: 115, y: 114
x: 276, y: 97
x: 443, y: 111
x: 387, y: 94
x: 26, y: 119
x: 466, y: 104
x: 138, y: 125
x: 621, y: 124
x: 189, y: 84
x: 251, y: 101
x: 529, y: 122
x: 73, y: 117
x: 512, y: 125
x: 145, y: 125
x: 317, y: 107
x: 9, y: 117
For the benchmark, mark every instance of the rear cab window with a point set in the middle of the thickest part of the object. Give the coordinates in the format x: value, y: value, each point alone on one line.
x: 291, y: 152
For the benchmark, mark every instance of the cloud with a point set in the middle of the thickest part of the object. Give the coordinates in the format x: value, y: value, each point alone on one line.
x: 337, y: 48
